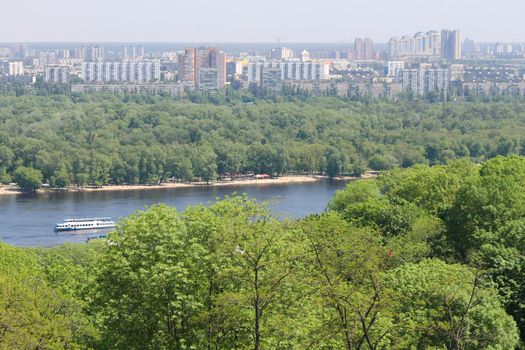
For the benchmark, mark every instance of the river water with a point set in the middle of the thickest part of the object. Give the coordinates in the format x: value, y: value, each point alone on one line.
x: 28, y: 220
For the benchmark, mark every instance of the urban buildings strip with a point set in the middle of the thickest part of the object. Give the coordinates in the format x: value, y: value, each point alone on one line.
x: 428, y: 63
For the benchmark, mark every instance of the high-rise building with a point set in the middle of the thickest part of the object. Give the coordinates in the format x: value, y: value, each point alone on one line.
x: 79, y: 53
x: 456, y: 72
x: 63, y: 53
x: 20, y: 51
x: 281, y: 53
x: 297, y: 70
x: 187, y: 67
x: 208, y: 79
x: 124, y: 71
x: 192, y: 60
x: 233, y: 70
x: 133, y: 52
x: 364, y: 49
x: 5, y: 52
x: 392, y: 67
x: 47, y: 58
x: 254, y: 71
x: 290, y: 70
x: 468, y: 47
x: 305, y: 56
x: 450, y: 44
x: 420, y: 45
x: 271, y: 79
x: 423, y: 80
x: 94, y: 53
x: 12, y: 69
x: 56, y: 74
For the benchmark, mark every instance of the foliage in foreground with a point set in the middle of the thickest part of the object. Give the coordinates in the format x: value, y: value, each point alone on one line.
x: 386, y: 267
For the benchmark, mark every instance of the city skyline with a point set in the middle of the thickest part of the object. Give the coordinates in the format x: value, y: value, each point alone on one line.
x: 230, y: 21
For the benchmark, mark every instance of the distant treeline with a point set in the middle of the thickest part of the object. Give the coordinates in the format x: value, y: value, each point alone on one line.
x: 132, y: 139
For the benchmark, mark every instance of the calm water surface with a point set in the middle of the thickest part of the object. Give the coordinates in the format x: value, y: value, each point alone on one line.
x: 28, y: 220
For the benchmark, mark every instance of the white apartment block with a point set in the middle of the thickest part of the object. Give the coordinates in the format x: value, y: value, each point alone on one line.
x: 421, y: 44
x: 56, y: 74
x: 254, y: 72
x: 393, y: 66
x: 290, y: 70
x: 297, y: 70
x: 422, y: 81
x: 12, y: 69
x: 125, y: 71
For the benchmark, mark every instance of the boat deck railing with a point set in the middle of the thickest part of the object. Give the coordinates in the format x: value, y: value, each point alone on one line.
x: 87, y: 219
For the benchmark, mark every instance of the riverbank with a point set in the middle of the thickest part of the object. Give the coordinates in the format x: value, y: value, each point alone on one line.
x: 282, y: 180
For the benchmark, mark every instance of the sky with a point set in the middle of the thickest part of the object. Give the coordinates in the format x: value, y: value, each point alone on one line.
x: 331, y: 21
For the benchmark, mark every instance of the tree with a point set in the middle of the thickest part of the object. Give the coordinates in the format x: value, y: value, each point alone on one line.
x: 262, y: 263
x: 60, y: 179
x: 148, y: 289
x: 28, y: 179
x: 34, y: 315
x: 410, y: 232
x: 379, y: 162
x: 345, y: 265
x: 184, y: 170
x: 502, y: 254
x: 487, y: 202
x: 5, y: 178
x: 266, y: 159
x: 446, y: 306
x: 333, y: 162
x: 204, y: 163
x: 82, y: 179
x: 431, y: 188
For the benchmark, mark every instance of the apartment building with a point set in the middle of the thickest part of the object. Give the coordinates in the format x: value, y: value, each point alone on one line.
x: 124, y: 71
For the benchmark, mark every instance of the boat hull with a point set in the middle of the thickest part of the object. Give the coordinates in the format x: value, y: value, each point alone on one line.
x: 59, y: 229
x: 85, y: 224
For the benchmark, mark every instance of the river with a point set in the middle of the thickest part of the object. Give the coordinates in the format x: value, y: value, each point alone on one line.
x: 28, y: 220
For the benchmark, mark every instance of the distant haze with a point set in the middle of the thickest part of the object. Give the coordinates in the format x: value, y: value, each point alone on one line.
x: 255, y: 21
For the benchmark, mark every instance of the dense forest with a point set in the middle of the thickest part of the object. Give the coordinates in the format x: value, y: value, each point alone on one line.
x: 103, y: 139
x: 428, y: 257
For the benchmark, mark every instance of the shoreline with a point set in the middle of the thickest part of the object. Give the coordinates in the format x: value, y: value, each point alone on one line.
x: 282, y: 180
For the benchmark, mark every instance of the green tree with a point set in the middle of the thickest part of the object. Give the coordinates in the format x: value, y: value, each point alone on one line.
x: 28, y: 179
x: 379, y: 162
x: 148, y: 290
x: 431, y: 188
x: 60, y: 179
x: 34, y: 315
x: 333, y: 162
x: 204, y: 163
x: 345, y: 265
x: 446, y: 306
x: 487, y: 202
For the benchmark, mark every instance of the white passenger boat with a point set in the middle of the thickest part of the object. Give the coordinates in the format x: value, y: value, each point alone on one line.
x: 85, y: 224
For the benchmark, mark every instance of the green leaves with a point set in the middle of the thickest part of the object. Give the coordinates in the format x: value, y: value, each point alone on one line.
x: 32, y: 313
x: 28, y: 179
x: 370, y: 273
x: 149, y: 270
x: 439, y: 305
x: 147, y: 139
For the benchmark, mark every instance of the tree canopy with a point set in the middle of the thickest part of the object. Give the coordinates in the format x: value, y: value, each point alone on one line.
x: 130, y: 139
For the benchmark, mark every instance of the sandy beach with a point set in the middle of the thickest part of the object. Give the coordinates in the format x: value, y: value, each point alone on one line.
x: 283, y: 180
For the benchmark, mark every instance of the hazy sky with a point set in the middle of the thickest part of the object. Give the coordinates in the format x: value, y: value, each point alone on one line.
x: 255, y: 21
